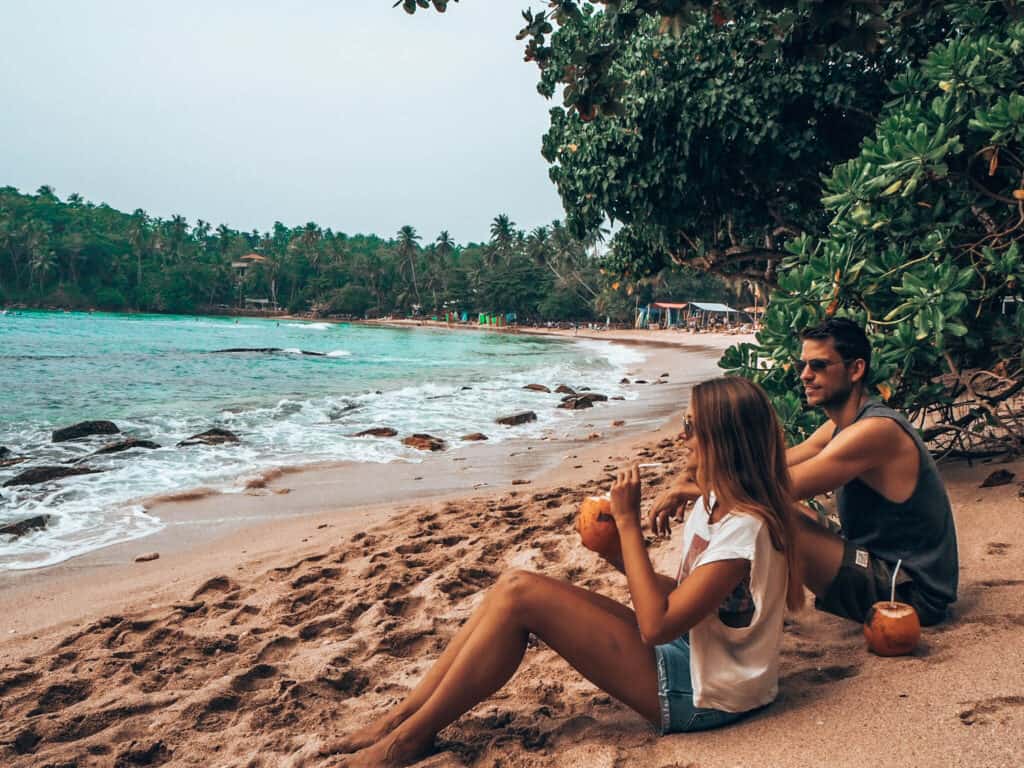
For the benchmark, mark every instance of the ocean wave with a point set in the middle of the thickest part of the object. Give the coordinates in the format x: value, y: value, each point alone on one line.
x: 339, y: 353
x: 311, y: 326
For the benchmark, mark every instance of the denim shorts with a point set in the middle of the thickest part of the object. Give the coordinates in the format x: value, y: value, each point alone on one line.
x: 675, y: 691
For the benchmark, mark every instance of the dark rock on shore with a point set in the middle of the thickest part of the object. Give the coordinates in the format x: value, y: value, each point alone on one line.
x: 474, y: 436
x: 126, y: 445
x: 537, y: 388
x: 575, y: 403
x: 423, y: 442
x: 83, y: 429
x: 624, y: 381
x: 264, y: 350
x: 517, y: 418
x: 999, y: 477
x: 21, y: 527
x: 594, y: 397
x: 38, y: 475
x: 215, y: 436
x: 562, y: 389
x: 377, y: 432
x: 640, y: 381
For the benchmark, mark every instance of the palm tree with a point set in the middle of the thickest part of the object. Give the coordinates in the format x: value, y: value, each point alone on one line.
x: 503, y: 235
x: 445, y: 245
x: 137, y: 232
x: 408, y: 250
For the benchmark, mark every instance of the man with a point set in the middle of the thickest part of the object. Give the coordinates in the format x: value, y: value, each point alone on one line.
x: 892, y: 504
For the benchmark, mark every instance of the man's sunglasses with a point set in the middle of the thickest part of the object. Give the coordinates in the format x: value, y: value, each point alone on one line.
x: 816, y: 364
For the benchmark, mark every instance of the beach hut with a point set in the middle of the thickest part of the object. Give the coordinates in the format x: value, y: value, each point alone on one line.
x: 660, y: 314
x: 707, y: 314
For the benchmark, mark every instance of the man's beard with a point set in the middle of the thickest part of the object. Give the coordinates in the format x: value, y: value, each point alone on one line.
x: 838, y: 398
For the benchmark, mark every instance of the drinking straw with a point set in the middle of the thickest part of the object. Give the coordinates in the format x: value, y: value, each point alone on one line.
x: 892, y: 594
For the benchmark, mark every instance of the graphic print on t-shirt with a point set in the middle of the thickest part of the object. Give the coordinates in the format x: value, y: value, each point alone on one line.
x: 697, y: 547
x: 737, y: 610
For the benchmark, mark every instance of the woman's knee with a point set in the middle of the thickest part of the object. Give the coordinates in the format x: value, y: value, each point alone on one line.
x: 518, y: 587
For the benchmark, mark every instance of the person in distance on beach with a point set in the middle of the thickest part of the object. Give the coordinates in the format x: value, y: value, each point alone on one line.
x: 891, y: 500
x: 699, y: 651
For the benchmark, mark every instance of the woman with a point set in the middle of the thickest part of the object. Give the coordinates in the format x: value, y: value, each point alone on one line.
x: 735, y: 580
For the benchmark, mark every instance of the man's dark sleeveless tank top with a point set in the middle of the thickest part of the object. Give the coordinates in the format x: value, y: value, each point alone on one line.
x: 919, y: 531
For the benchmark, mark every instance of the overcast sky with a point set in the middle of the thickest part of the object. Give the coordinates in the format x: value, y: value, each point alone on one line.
x: 349, y: 113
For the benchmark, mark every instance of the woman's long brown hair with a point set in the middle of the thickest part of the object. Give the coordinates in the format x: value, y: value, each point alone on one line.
x: 743, y: 460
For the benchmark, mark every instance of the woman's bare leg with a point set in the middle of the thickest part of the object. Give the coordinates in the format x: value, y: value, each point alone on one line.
x: 381, y: 727
x: 601, y: 642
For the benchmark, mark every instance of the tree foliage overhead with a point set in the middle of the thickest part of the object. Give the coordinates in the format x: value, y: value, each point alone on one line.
x: 855, y: 158
x: 925, y: 246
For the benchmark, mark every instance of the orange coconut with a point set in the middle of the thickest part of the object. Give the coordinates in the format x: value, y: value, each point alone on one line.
x: 892, y: 629
x: 597, y: 527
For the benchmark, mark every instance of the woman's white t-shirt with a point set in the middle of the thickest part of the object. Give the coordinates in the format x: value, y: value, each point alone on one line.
x: 734, y: 652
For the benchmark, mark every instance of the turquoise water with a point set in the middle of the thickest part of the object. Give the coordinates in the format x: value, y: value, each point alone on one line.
x: 158, y: 377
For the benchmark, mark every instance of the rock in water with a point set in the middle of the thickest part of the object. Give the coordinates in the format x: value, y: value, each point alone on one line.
x: 575, y: 403
x: 517, y: 418
x: 562, y: 389
x: 125, y: 445
x: 38, y: 475
x: 147, y: 557
x: 21, y: 527
x: 215, y: 436
x: 424, y: 442
x: 83, y: 429
x: 377, y: 432
x: 474, y: 436
x: 4, y: 452
x: 537, y: 387
x: 594, y: 397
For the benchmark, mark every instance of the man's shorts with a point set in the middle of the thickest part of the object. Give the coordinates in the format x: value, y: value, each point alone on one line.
x: 863, y: 580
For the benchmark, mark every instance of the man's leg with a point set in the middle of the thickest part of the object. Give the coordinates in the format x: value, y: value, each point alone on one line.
x: 820, y: 553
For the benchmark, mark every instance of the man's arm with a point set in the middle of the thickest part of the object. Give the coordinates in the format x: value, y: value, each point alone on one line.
x: 812, y: 446
x: 857, y: 449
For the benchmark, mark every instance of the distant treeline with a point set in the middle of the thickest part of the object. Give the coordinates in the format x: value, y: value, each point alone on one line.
x: 76, y: 254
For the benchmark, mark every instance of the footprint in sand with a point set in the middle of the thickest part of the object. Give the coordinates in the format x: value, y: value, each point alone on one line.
x: 982, y: 711
x: 997, y: 548
x: 61, y: 695
x: 218, y: 713
x: 255, y: 678
x: 216, y: 584
x: 278, y: 649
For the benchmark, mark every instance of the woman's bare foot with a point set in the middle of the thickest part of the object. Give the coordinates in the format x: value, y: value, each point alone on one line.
x: 395, y: 751
x: 364, y: 737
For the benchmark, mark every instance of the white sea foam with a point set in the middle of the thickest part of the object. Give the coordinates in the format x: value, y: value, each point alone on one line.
x: 311, y: 326
x: 339, y: 353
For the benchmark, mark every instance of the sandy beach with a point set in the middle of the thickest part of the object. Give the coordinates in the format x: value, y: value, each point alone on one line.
x: 279, y: 619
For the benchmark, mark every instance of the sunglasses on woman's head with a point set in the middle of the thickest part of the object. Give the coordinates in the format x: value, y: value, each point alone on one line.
x: 816, y: 364
x: 687, y: 427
